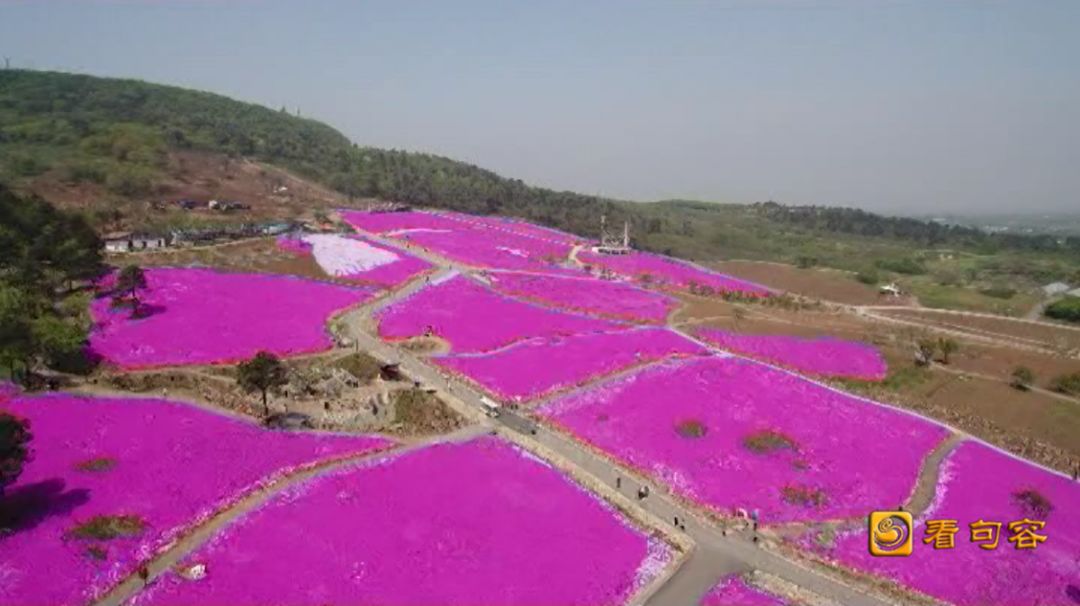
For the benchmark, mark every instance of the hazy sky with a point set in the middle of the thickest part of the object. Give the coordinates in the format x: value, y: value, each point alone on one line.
x: 900, y: 106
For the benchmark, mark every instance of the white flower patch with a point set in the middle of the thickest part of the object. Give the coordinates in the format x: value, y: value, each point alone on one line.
x: 341, y: 256
x: 514, y: 251
x: 415, y: 230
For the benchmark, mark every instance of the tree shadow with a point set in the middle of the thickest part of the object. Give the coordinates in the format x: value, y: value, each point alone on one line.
x: 27, y: 506
x: 146, y: 310
x: 1074, y: 593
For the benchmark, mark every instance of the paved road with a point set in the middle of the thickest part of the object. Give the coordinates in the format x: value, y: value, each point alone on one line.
x: 716, y: 553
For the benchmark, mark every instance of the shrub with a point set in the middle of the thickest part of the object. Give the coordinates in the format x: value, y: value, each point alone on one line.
x: 1033, y: 503
x: 691, y: 428
x: 903, y: 265
x: 93, y: 172
x: 24, y: 165
x: 360, y: 365
x: 946, y: 347
x: 767, y: 441
x: 129, y: 181
x: 1067, y: 309
x: 97, y: 552
x: 999, y: 292
x: 1022, y: 378
x: 806, y: 496
x: 105, y: 528
x: 96, y: 465
x: 15, y: 439
x: 1067, y: 384
x: 868, y: 276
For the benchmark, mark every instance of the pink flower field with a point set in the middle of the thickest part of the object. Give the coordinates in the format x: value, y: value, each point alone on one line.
x: 473, y: 318
x: 170, y: 464
x: 383, y: 223
x: 979, y: 483
x: 606, y: 298
x: 200, y: 316
x: 670, y: 273
x: 474, y: 241
x: 525, y: 370
x: 733, y: 591
x: 728, y: 433
x: 357, y: 258
x: 825, y: 356
x: 517, y: 227
x: 450, y: 524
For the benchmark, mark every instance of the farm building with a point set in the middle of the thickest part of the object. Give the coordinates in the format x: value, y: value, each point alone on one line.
x: 118, y: 242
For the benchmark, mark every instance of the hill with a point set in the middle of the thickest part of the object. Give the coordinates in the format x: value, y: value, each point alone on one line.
x: 103, y: 144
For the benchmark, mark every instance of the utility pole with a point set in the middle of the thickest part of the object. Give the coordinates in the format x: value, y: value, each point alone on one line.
x: 7, y: 62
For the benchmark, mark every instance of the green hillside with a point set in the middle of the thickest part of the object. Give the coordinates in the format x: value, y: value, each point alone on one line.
x: 116, y: 134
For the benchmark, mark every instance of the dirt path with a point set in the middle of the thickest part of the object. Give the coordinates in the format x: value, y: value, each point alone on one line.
x: 929, y: 473
x: 197, y: 536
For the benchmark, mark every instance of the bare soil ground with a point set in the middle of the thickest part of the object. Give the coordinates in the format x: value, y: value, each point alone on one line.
x: 1050, y: 335
x: 255, y: 255
x: 356, y: 404
x: 827, y: 284
x: 200, y: 176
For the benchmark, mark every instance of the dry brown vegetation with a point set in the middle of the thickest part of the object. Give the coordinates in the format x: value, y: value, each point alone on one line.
x: 826, y: 284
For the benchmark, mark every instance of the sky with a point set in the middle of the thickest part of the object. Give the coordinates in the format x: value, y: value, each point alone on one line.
x: 905, y: 107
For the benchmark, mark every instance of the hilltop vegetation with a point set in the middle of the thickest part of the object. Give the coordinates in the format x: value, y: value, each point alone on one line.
x: 117, y: 136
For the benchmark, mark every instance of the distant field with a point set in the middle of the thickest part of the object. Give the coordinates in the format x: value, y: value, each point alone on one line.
x: 1043, y: 333
x: 830, y: 285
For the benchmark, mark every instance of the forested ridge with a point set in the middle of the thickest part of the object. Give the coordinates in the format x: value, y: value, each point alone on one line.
x: 115, y: 133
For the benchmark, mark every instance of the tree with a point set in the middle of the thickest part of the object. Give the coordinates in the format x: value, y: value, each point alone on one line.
x: 1067, y: 384
x: 129, y: 282
x: 1067, y: 309
x: 60, y: 342
x: 261, y: 373
x: 1022, y: 378
x: 14, y: 448
x: 947, y: 347
x: 16, y: 334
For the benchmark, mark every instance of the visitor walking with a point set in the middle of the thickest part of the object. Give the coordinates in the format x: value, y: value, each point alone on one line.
x: 144, y: 574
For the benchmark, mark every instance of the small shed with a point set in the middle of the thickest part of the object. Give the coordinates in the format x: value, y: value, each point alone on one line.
x: 890, y: 289
x: 117, y: 241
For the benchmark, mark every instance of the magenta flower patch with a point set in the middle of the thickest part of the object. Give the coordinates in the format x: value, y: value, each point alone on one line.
x: 474, y: 318
x: 294, y: 244
x: 475, y: 241
x: 530, y: 369
x: 669, y: 273
x: 167, y: 464
x: 200, y: 316
x: 607, y: 298
x: 450, y: 524
x: 824, y: 356
x: 729, y: 433
x: 979, y: 483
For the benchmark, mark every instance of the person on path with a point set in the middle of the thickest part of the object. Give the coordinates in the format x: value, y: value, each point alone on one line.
x: 144, y: 574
